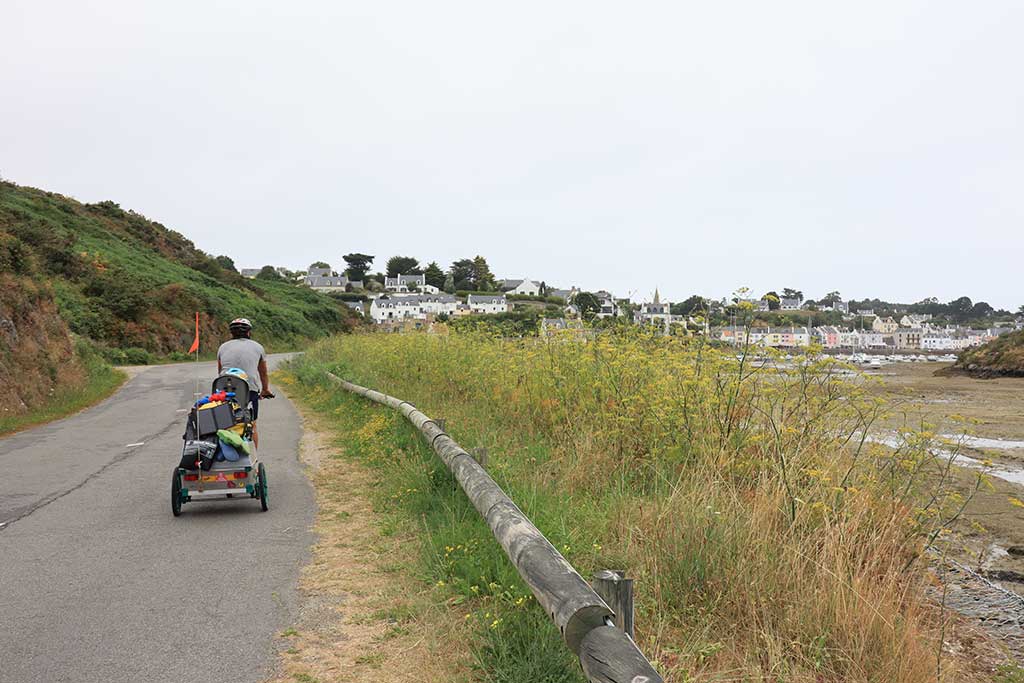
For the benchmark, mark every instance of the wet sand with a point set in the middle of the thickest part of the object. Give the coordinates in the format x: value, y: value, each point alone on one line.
x: 992, y: 527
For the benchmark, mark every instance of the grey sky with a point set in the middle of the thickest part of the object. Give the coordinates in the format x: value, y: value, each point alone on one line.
x: 873, y: 147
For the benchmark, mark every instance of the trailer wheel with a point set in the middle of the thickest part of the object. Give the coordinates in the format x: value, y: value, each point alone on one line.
x: 176, y: 493
x: 263, y: 487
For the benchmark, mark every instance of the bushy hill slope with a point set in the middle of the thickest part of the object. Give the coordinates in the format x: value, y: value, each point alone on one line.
x: 1001, y: 357
x: 127, y: 287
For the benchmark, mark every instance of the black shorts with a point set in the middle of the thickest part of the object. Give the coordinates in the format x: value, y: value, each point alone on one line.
x: 254, y: 404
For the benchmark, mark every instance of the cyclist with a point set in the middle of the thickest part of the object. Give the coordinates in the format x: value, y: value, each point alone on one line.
x: 241, y: 351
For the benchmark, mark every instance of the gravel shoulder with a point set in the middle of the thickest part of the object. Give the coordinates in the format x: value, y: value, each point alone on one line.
x: 362, y: 615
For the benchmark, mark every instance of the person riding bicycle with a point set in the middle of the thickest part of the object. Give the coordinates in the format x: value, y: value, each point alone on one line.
x: 241, y: 351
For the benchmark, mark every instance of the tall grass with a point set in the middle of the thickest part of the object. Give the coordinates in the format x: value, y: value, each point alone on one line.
x: 769, y: 540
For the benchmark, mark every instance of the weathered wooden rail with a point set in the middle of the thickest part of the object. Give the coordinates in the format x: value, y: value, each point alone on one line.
x: 606, y: 653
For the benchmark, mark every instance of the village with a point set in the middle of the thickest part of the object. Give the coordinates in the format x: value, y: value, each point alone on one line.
x: 408, y: 302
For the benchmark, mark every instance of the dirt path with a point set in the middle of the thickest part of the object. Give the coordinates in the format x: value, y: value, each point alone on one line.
x: 363, y: 617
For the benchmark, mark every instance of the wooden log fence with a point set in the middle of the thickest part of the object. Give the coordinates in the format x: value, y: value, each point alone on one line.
x: 606, y: 653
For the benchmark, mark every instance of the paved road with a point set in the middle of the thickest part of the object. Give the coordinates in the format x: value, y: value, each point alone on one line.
x: 98, y: 582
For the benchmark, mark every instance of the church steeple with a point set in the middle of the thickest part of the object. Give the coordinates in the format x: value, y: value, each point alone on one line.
x: 657, y: 298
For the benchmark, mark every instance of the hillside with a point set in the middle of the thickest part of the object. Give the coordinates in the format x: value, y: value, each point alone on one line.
x: 1001, y: 357
x: 86, y: 279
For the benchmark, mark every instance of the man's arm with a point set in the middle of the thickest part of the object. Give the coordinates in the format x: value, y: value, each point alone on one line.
x: 264, y: 377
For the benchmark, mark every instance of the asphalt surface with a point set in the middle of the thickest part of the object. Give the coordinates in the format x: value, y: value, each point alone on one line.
x: 99, y: 582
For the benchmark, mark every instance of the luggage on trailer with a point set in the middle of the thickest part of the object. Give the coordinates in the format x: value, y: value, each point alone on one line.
x: 213, y: 417
x: 198, y: 451
x: 219, y: 425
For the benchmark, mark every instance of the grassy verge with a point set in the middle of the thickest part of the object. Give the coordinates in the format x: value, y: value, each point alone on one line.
x: 502, y: 636
x: 101, y: 381
x: 768, y: 541
x: 364, y: 608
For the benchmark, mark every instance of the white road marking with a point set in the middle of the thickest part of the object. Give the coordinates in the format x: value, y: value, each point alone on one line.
x: 129, y: 445
x: 183, y: 410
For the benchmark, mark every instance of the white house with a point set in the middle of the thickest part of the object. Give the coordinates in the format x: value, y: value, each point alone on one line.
x: 872, y: 339
x: 610, y: 307
x: 791, y: 304
x: 482, y: 303
x: 250, y: 272
x: 527, y: 287
x: 406, y: 283
x: 838, y: 306
x: 850, y: 339
x: 937, y: 341
x: 417, y: 306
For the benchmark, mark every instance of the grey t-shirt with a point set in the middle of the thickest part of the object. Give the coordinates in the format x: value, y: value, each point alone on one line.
x: 245, y: 354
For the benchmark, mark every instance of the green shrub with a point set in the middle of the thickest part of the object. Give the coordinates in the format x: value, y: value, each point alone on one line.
x: 137, y: 356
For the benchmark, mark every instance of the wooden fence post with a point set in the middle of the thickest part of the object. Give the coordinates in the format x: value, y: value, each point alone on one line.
x: 606, y: 653
x: 617, y: 591
x: 480, y: 455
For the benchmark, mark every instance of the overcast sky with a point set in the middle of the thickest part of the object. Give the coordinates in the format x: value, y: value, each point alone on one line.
x: 875, y: 148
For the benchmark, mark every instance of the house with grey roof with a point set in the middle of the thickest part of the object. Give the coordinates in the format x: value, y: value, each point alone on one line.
x: 409, y: 283
x: 356, y: 306
x: 487, y: 303
x: 566, y: 295
x: 552, y: 326
x: 419, y: 306
x: 250, y: 272
x: 791, y: 304
x: 527, y: 286
x: 328, y: 283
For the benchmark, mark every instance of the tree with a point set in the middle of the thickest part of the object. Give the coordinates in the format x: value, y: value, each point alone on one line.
x: 403, y: 265
x: 789, y: 293
x: 449, y: 283
x: 960, y: 309
x: 434, y: 275
x: 226, y: 263
x: 694, y: 303
x: 358, y: 265
x: 830, y: 299
x: 268, y: 273
x: 1020, y: 311
x: 773, y: 300
x: 981, y: 310
x: 588, y: 304
x: 319, y: 264
x: 461, y: 271
x: 483, y: 279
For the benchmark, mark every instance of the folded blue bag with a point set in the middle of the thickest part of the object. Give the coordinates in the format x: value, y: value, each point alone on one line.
x: 230, y: 452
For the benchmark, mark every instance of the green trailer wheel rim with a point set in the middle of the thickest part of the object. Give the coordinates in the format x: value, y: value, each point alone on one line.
x: 264, y: 503
x: 177, y: 493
